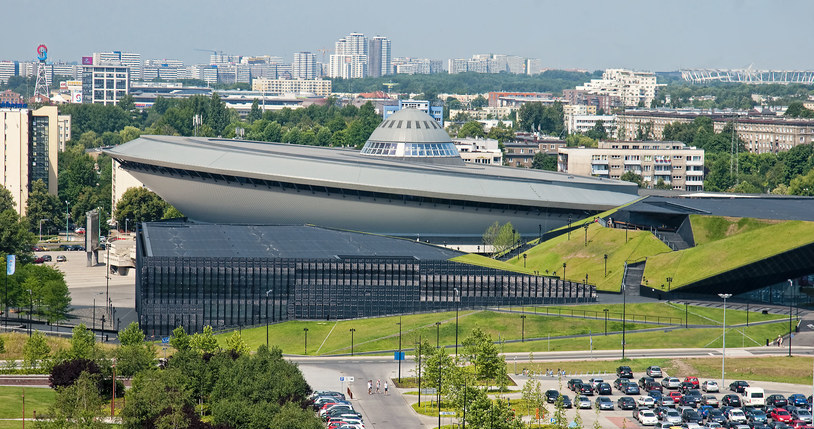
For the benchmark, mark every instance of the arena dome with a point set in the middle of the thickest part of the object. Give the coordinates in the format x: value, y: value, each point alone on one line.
x: 412, y: 135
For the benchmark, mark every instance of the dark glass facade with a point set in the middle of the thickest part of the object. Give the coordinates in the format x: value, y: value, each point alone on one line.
x: 231, y: 292
x: 38, y: 150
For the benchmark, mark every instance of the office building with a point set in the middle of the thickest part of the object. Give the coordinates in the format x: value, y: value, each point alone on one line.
x: 304, y: 66
x: 318, y: 87
x: 534, y: 66
x: 479, y: 150
x: 379, y: 57
x: 674, y: 163
x: 105, y: 84
x: 457, y: 65
x: 29, y: 145
x: 350, y: 58
x: 632, y: 88
x: 7, y: 70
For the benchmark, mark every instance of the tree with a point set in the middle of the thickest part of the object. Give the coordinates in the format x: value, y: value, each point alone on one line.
x: 15, y: 237
x: 471, y: 129
x: 134, y: 354
x: 180, y: 340
x: 479, y: 102
x: 65, y: 373
x: 78, y: 405
x: 83, y: 344
x: 236, y: 345
x: 157, y: 398
x: 204, y: 342
x: 500, y: 238
x: 661, y: 184
x: 644, y: 132
x: 6, y: 199
x: 544, y: 161
x: 35, y: 350
x: 501, y: 133
x: 598, y: 132
x: 139, y: 205
x: 254, y: 113
x: 483, y: 354
x: 802, y: 185
x: 43, y: 206
x: 629, y: 176
x: 578, y: 140
x: 796, y: 109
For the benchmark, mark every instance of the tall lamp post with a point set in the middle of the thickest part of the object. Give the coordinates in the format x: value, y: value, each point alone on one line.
x: 399, y: 348
x: 585, y: 226
x: 457, y: 305
x: 41, y: 221
x: 66, y: 219
x: 437, y: 334
x: 306, y: 340
x: 522, y: 329
x: 724, y: 296
x: 791, y: 290
x: 624, y: 317
x: 352, y: 330
x: 267, y: 317
x: 563, y: 271
x: 606, y: 320
x: 606, y: 264
x: 30, y: 310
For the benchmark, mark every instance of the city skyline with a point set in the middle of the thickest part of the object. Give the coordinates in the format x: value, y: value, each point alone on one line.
x: 649, y: 36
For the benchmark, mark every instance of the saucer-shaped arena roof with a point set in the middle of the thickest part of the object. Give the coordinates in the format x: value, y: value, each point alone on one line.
x: 412, y: 135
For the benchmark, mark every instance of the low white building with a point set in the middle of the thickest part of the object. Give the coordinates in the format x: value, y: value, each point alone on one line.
x: 479, y: 150
x: 585, y: 123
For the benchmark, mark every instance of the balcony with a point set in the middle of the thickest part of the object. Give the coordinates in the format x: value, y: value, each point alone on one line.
x: 695, y: 173
x: 694, y: 181
x: 599, y: 162
x: 600, y: 172
x: 663, y: 172
x: 699, y: 162
x: 633, y: 162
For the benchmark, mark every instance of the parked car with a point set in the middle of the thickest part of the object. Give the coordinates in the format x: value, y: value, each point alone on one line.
x: 731, y: 400
x: 666, y: 401
x: 645, y: 402
x: 47, y: 258
x: 573, y: 383
x: 653, y: 385
x: 780, y: 415
x: 594, y: 381
x: 755, y: 415
x: 801, y: 414
x: 61, y: 258
x: 693, y: 380
x: 671, y: 416
x: 710, y: 400
x: 624, y: 371
x: 626, y: 403
x: 738, y: 386
x: 551, y: 396
x: 776, y: 401
x: 604, y: 403
x: 631, y: 389
x: 643, y: 381
x: 798, y: 400
x: 736, y: 415
x: 582, y: 402
x: 585, y: 389
x: 689, y: 401
x: 566, y: 401
x: 39, y: 260
x: 716, y: 415
x: 619, y: 382
x: 603, y: 389
x: 671, y: 383
x: 645, y: 417
x: 675, y: 395
x: 80, y: 230
x: 688, y: 415
x: 709, y: 386
x: 654, y: 371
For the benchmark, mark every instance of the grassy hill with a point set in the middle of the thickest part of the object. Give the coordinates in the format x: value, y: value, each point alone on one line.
x: 707, y: 229
x: 716, y: 255
x: 547, y: 258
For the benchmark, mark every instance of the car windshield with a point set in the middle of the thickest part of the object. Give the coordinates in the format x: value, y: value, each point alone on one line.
x: 736, y: 413
x: 782, y: 412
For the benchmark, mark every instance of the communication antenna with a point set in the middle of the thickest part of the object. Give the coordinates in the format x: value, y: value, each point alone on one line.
x: 41, y: 87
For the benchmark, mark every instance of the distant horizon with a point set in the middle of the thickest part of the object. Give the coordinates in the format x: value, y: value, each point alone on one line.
x: 584, y: 34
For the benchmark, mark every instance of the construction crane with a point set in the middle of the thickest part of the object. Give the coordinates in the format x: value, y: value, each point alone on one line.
x: 212, y: 51
x: 323, y: 51
x: 390, y: 86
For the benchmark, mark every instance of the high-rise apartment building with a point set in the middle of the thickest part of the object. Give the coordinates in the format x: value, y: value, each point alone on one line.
x: 28, y: 151
x: 304, y: 66
x: 105, y: 84
x: 633, y: 88
x: 350, y: 58
x: 7, y: 70
x: 379, y: 57
x: 118, y: 58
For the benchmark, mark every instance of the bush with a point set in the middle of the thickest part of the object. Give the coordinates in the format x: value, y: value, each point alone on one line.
x: 64, y: 374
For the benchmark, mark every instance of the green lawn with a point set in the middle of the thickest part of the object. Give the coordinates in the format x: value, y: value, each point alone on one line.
x: 706, y: 229
x: 715, y: 257
x: 483, y: 261
x: 665, y: 312
x: 36, y: 399
x: 383, y: 333
x: 580, y: 259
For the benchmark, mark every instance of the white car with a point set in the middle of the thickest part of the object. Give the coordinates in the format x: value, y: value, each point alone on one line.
x: 645, y: 401
x: 690, y: 425
x: 646, y: 417
x: 670, y: 383
x: 672, y: 417
x: 736, y: 415
x: 594, y: 381
x: 709, y: 386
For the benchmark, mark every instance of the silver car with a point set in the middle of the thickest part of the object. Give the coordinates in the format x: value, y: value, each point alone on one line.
x: 583, y: 402
x: 709, y: 386
x: 671, y: 383
x: 672, y: 416
x: 654, y: 371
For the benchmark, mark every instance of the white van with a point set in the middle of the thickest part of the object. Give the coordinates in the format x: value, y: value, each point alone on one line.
x: 754, y: 397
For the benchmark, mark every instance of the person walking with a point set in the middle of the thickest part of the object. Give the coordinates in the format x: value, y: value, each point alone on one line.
x: 369, y: 387
x: 378, y: 385
x: 385, y: 387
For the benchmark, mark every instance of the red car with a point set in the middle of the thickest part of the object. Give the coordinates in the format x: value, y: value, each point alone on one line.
x: 780, y: 415
x: 693, y: 380
x: 675, y: 395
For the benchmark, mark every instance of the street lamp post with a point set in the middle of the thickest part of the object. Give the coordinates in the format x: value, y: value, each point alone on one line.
x: 126, y: 225
x: 457, y: 305
x: 569, y: 227
x: 66, y: 219
x: 30, y: 310
x: 104, y: 340
x: 524, y: 260
x: 399, y: 349
x: 420, y: 352
x: 606, y: 264
x: 437, y: 334
x: 624, y: 318
x: 585, y: 226
x: 306, y: 340
x: 791, y: 290
x: 685, y: 314
x: 267, y: 317
x: 113, y: 401
x: 41, y: 221
x: 724, y: 296
x: 563, y: 271
x: 669, y: 283
x: 352, y: 330
x: 523, y: 329
x: 606, y: 320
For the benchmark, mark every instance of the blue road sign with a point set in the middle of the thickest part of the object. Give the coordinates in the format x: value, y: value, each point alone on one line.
x: 398, y: 355
x: 165, y: 340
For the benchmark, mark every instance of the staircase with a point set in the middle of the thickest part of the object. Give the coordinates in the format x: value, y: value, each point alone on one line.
x: 632, y: 279
x: 672, y: 239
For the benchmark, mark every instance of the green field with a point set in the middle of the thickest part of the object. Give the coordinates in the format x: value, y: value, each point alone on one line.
x: 665, y: 312
x: 381, y: 334
x: 706, y: 229
x: 36, y: 399
x: 582, y: 260
x: 715, y: 257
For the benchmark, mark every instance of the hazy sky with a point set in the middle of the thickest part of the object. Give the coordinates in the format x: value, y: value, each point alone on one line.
x: 652, y: 35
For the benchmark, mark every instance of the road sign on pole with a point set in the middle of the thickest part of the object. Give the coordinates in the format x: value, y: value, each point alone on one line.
x: 399, y: 355
x: 165, y: 340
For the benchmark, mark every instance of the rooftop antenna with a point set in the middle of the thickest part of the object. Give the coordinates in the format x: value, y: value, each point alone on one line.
x: 41, y: 87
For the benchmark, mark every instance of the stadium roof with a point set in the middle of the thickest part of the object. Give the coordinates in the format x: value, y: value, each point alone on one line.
x: 410, y: 126
x: 190, y: 239
x: 759, y: 207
